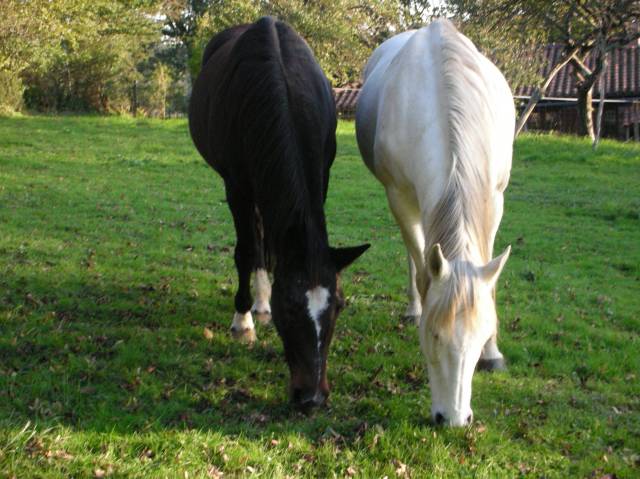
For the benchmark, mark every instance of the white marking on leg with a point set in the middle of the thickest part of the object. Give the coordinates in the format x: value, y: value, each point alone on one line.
x: 242, y: 321
x: 262, y: 292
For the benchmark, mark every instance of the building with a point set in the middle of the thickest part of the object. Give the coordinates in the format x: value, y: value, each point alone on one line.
x: 558, y: 109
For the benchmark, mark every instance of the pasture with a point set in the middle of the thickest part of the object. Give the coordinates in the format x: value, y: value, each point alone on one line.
x: 116, y: 296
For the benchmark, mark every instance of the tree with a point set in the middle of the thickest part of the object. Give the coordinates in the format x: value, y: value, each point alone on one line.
x: 182, y: 20
x: 342, y: 33
x: 218, y: 16
x: 605, y: 26
x: 577, y: 25
x: 160, y: 82
x: 26, y: 30
x: 92, y: 56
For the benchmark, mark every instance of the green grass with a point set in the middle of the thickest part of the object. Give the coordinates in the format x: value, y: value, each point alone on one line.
x: 116, y: 253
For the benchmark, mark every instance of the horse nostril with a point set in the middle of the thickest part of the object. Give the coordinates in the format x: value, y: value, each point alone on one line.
x: 439, y: 419
x: 469, y: 419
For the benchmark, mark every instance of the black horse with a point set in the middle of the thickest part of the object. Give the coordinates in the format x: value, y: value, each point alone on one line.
x: 263, y: 116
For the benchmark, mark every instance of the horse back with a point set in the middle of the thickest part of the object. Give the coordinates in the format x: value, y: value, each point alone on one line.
x: 435, y: 88
x: 260, y: 84
x: 262, y: 114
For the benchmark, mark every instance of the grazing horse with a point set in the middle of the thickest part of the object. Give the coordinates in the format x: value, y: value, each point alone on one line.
x: 434, y: 123
x: 263, y: 116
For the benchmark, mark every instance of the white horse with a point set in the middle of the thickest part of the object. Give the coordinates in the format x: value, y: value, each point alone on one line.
x: 435, y: 122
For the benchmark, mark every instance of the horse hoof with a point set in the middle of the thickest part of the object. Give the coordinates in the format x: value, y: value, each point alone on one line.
x: 263, y: 317
x: 496, y: 364
x: 245, y: 335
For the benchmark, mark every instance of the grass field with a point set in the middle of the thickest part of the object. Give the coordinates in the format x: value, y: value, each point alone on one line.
x: 116, y: 253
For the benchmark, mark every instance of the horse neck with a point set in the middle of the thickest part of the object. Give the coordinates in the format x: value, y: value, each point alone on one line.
x: 306, y: 246
x: 461, y: 219
x: 460, y: 237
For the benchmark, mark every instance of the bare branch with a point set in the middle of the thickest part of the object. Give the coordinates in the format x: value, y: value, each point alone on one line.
x: 538, y: 93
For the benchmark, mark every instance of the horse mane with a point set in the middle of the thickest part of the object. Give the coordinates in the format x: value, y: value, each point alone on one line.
x: 458, y: 293
x: 274, y: 117
x: 465, y: 210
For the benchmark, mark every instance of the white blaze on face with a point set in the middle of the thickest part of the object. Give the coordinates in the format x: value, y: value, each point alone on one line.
x: 317, y: 303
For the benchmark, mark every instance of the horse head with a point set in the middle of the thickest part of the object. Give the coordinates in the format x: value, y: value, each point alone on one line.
x: 305, y: 308
x: 458, y: 318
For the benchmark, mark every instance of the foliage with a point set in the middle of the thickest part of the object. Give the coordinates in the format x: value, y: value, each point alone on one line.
x: 341, y: 33
x: 117, y: 251
x: 578, y: 25
x: 517, y: 50
x: 219, y: 16
x: 160, y: 84
x: 93, y: 63
x: 79, y: 55
x: 24, y: 37
x: 74, y: 54
x: 11, y: 91
x: 26, y: 28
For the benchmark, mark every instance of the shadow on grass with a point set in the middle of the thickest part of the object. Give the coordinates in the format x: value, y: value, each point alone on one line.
x: 98, y: 354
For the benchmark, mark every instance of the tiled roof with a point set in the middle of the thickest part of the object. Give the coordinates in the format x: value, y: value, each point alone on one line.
x: 622, y: 77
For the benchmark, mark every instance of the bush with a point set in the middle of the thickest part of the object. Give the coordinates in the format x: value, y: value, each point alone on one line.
x: 11, y: 90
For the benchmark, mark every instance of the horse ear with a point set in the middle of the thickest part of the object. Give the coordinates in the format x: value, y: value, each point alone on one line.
x: 437, y: 264
x: 491, y: 271
x: 343, y: 257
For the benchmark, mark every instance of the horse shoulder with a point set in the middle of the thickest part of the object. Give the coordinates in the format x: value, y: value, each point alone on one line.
x: 368, y: 101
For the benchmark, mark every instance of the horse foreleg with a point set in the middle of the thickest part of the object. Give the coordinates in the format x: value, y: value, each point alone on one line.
x: 491, y: 359
x: 408, y: 218
x: 414, y: 308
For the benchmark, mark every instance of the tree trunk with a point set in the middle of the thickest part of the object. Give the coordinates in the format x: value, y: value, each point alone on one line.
x: 585, y: 111
x: 586, y: 78
x: 603, y: 85
x: 538, y: 93
x: 596, y: 140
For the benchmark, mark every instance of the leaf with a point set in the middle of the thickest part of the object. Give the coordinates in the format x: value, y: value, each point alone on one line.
x: 214, y: 473
x: 99, y: 472
x: 401, y: 468
x: 59, y: 454
x: 208, y: 334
